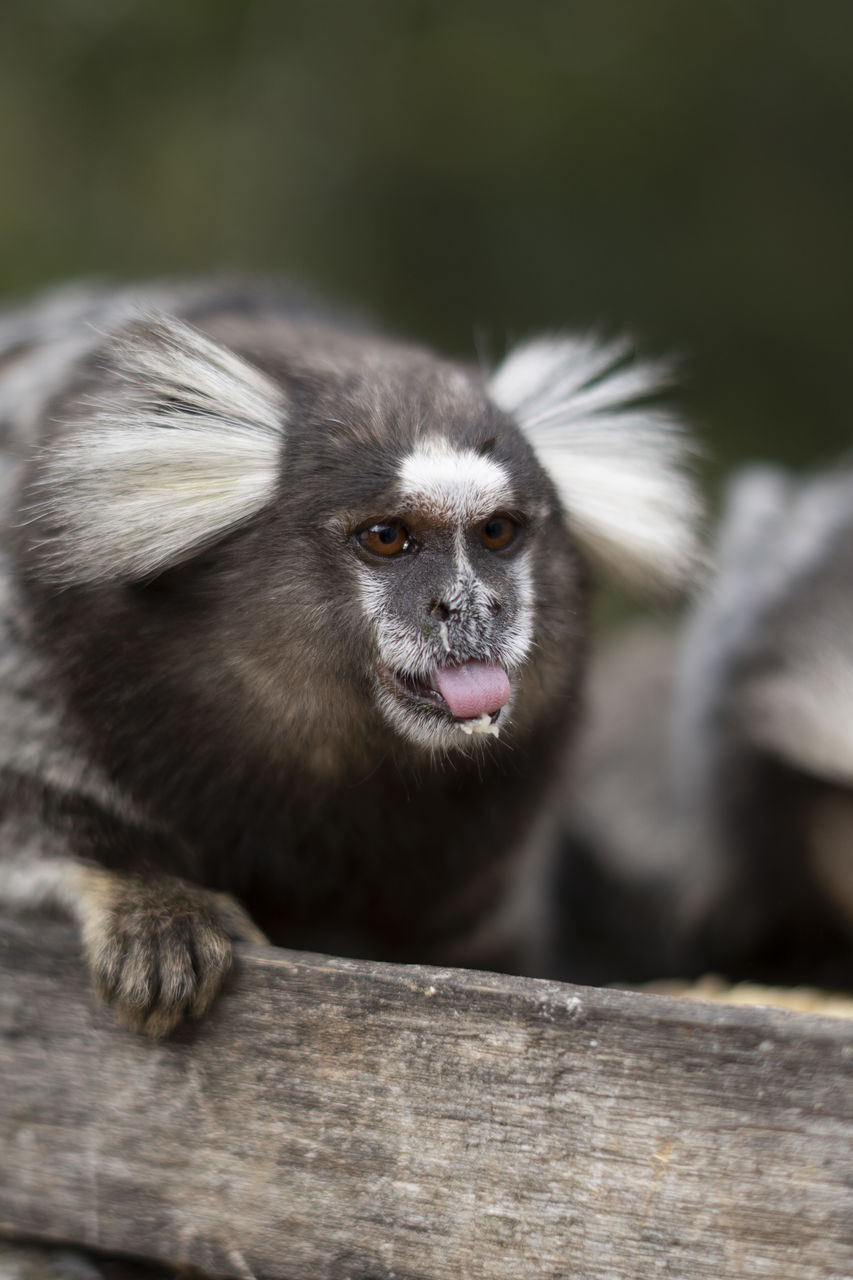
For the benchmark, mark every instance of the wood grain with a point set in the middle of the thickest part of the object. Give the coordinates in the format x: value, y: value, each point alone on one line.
x: 335, y: 1120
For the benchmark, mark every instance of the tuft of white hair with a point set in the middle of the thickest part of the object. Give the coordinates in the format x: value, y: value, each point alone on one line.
x: 619, y: 467
x: 182, y: 446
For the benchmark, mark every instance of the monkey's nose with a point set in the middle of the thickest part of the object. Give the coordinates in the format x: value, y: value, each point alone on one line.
x: 443, y: 610
x: 440, y: 609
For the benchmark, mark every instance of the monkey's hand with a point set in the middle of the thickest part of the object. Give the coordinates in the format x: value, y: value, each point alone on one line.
x: 158, y: 947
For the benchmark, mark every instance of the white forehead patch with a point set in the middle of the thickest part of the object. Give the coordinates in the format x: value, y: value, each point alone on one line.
x: 455, y: 485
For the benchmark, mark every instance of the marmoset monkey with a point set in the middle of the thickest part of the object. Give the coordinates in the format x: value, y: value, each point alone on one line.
x: 294, y: 618
x: 711, y: 800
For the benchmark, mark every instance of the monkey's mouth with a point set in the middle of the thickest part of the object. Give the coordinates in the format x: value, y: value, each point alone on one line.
x: 469, y: 692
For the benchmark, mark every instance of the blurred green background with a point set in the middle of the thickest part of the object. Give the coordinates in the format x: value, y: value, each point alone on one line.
x: 468, y: 173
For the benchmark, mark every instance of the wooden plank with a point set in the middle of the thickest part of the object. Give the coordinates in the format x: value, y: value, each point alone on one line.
x: 337, y: 1120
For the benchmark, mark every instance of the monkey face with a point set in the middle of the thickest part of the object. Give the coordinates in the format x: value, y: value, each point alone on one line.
x: 451, y: 628
x: 426, y: 535
x: 446, y: 587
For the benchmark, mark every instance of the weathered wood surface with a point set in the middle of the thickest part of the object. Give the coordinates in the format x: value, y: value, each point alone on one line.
x: 334, y: 1119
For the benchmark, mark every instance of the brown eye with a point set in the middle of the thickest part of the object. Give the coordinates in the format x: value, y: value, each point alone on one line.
x: 386, y: 539
x: 498, y: 533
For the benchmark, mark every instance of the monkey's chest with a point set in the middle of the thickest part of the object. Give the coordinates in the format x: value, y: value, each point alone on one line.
x: 385, y: 878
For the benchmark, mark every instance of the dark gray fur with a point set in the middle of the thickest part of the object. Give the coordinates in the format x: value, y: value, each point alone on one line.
x: 711, y: 808
x: 209, y: 733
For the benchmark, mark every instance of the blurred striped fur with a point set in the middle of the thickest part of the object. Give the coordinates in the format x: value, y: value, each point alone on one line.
x: 712, y: 803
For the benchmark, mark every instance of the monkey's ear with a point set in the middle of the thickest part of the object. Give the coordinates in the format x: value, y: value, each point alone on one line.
x: 178, y: 444
x: 619, y: 467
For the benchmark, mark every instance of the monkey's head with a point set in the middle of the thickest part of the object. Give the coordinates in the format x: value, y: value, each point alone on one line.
x: 343, y: 539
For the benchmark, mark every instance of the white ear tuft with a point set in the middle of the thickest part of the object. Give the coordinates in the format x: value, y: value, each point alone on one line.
x: 619, y: 467
x: 182, y: 445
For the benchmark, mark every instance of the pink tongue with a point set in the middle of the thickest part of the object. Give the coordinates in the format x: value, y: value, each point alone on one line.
x: 472, y: 689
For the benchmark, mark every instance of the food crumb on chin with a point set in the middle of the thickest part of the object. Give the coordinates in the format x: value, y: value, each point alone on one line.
x: 482, y: 724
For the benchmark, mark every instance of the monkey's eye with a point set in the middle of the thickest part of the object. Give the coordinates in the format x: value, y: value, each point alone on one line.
x: 497, y: 534
x: 386, y: 539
